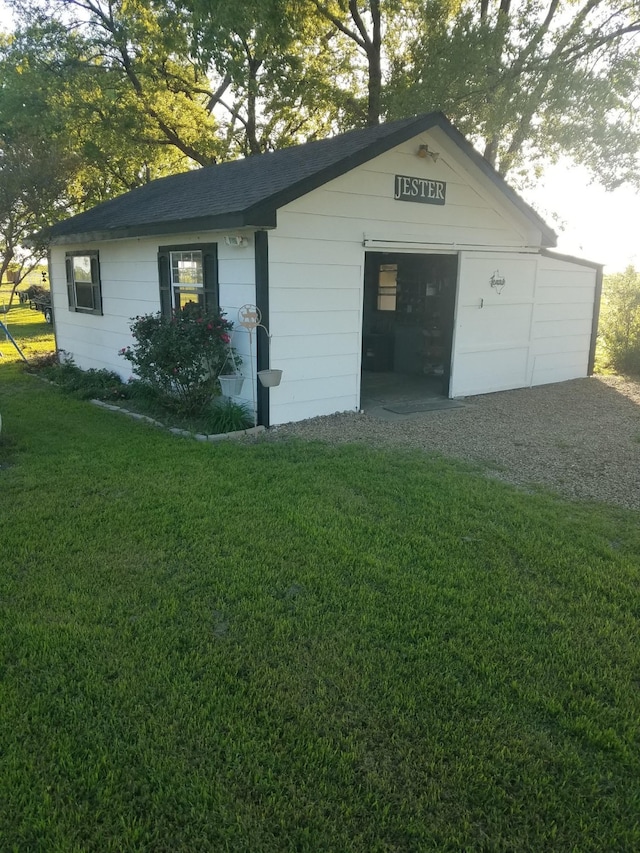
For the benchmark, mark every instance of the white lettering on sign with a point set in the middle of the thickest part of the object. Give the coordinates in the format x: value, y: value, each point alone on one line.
x: 421, y: 190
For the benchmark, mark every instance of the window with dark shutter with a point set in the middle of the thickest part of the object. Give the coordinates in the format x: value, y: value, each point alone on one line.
x: 187, y: 275
x: 84, y: 288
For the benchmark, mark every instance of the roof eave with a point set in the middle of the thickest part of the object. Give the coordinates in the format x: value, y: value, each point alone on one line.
x: 266, y: 218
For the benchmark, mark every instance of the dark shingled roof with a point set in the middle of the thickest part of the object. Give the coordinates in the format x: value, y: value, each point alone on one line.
x: 248, y: 192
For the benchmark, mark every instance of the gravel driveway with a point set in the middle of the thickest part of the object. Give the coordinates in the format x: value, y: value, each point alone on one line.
x: 580, y: 438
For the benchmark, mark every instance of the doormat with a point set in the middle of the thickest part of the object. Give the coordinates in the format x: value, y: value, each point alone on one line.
x: 423, y: 406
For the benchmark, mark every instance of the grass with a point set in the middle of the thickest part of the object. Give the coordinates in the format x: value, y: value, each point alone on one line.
x: 221, y: 416
x: 291, y: 647
x: 28, y: 328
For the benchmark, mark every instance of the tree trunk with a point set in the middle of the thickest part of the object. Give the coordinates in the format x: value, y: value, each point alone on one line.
x: 374, y: 56
x: 491, y: 151
x: 251, y: 125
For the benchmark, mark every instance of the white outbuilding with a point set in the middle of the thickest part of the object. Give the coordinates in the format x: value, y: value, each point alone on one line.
x: 394, y: 249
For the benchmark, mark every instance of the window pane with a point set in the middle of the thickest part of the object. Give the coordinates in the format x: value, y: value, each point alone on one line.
x: 184, y: 296
x: 387, y: 287
x: 186, y: 268
x: 84, y: 295
x: 82, y: 268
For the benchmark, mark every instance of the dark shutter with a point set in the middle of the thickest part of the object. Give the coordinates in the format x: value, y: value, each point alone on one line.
x: 165, y: 284
x: 95, y: 285
x: 210, y: 273
x: 71, y: 296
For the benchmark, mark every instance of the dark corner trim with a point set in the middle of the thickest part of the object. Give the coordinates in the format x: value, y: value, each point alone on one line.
x: 595, y: 321
x: 262, y: 302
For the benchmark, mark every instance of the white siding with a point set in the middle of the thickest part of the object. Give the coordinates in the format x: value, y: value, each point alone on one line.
x: 129, y: 277
x: 316, y: 264
x: 492, y: 330
x: 561, y: 332
x: 537, y: 330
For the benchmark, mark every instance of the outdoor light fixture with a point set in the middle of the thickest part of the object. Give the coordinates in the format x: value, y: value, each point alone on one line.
x: 424, y: 152
x: 498, y: 281
x: 236, y: 240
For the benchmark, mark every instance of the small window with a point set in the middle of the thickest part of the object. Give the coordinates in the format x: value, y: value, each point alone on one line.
x: 187, y: 278
x: 387, y: 287
x: 83, y: 282
x: 188, y: 275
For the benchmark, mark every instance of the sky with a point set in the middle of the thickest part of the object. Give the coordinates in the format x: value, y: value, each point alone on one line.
x: 597, y: 225
x: 590, y: 222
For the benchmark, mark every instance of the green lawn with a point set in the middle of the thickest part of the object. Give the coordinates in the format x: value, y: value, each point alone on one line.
x: 292, y: 647
x: 27, y: 327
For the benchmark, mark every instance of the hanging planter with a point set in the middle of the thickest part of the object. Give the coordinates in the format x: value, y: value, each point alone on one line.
x: 270, y: 378
x: 231, y: 384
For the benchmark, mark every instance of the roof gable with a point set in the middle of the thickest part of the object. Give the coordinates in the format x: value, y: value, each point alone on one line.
x: 248, y: 192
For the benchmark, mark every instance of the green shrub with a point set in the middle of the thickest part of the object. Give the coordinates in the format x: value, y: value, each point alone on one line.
x: 143, y: 392
x: 620, y: 322
x: 182, y: 357
x: 84, y: 384
x: 228, y: 416
x: 220, y: 415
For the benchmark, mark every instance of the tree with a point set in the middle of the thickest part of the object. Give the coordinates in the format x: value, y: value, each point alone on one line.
x: 133, y: 59
x: 34, y: 171
x: 620, y: 321
x: 361, y: 24
x: 207, y: 80
x: 529, y: 81
x: 274, y: 75
x: 370, y: 35
x: 68, y: 140
x: 32, y: 183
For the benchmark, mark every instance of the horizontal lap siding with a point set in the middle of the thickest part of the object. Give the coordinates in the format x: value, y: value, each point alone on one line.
x: 316, y: 268
x: 561, y: 333
x: 129, y: 276
x: 316, y: 329
x: 297, y: 346
x: 469, y: 216
x: 537, y: 330
x: 293, y: 410
x: 572, y: 311
x: 473, y: 224
x: 491, y: 370
x: 497, y: 327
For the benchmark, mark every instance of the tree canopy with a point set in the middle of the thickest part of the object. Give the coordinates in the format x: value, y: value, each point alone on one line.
x: 123, y: 91
x: 619, y: 335
x: 530, y: 81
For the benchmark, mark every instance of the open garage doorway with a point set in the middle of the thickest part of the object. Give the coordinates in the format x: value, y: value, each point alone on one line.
x: 407, y: 334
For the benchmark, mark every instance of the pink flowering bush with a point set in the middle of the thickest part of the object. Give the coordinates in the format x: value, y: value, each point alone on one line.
x: 181, y: 358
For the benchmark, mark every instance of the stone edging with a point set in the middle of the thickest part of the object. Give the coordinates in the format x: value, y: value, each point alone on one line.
x: 185, y: 433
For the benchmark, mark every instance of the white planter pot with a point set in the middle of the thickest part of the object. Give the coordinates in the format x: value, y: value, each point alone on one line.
x: 231, y: 384
x: 270, y: 378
